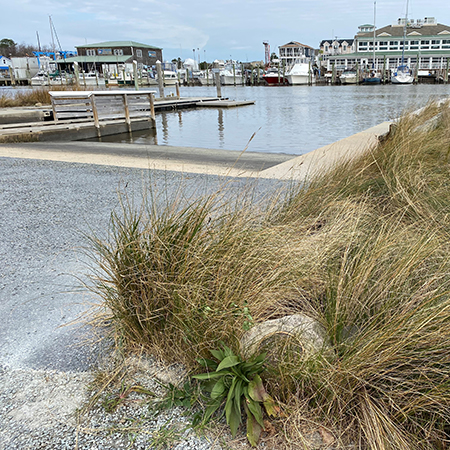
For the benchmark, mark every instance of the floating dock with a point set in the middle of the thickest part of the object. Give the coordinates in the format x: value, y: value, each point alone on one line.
x: 77, y: 115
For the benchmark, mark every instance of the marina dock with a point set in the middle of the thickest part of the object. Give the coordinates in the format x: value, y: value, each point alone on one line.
x: 76, y: 115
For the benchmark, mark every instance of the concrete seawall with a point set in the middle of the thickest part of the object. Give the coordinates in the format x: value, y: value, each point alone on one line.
x: 199, y: 160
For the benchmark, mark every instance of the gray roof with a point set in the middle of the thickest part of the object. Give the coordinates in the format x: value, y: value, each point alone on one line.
x: 105, y: 59
x: 397, y: 31
x: 341, y: 41
x: 118, y: 44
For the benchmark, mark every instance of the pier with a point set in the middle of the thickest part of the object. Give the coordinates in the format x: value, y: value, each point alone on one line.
x: 76, y: 115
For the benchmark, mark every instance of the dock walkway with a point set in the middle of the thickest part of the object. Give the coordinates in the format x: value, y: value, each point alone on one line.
x: 82, y: 116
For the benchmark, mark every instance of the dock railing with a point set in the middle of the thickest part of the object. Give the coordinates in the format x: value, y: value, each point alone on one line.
x: 104, y: 106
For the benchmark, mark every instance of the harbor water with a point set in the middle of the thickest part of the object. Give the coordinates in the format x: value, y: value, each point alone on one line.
x: 284, y: 119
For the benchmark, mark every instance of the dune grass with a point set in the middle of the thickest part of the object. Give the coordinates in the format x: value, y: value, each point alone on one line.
x: 363, y: 249
x: 31, y: 97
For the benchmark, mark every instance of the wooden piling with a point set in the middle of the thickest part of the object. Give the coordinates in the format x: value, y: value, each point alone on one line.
x: 218, y: 86
x: 76, y: 74
x: 177, y: 87
x: 135, y: 76
x: 160, y: 79
x: 446, y: 72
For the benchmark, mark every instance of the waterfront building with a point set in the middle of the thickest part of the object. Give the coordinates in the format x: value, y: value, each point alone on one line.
x: 427, y: 47
x: 294, y: 51
x: 337, y: 47
x: 113, y: 57
x: 5, y: 64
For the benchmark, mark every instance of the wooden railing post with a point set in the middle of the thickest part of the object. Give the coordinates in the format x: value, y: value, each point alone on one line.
x: 55, y: 114
x: 95, y: 115
x: 127, y: 112
x: 151, y: 99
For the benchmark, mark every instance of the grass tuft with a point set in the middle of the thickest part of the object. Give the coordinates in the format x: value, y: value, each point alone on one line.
x: 363, y: 249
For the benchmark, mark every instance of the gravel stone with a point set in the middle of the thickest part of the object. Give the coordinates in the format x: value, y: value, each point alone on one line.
x: 47, y: 360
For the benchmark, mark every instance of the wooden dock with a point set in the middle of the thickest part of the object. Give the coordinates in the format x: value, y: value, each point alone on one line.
x: 77, y: 115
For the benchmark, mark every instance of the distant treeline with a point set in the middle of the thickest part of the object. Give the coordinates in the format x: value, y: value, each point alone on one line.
x: 10, y: 48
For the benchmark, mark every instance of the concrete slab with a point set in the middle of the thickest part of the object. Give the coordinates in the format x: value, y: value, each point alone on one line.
x: 161, y: 157
x: 324, y: 158
x: 24, y: 114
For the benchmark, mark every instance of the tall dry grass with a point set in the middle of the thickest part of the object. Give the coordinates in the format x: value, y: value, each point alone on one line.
x: 364, y: 249
x: 31, y: 97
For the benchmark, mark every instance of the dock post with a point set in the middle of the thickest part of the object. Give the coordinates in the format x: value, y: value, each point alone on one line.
x: 151, y: 99
x: 252, y: 79
x: 177, y: 87
x: 446, y: 72
x: 77, y: 75
x: 95, y: 115
x: 218, y: 87
x: 357, y: 72
x: 135, y: 76
x: 283, y: 63
x: 333, y: 74
x: 84, y: 79
x: 160, y: 79
x: 11, y: 74
x: 127, y: 112
x: 234, y: 74
x: 243, y: 74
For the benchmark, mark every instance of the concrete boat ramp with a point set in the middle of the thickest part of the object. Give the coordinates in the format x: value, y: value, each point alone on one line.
x: 82, y: 115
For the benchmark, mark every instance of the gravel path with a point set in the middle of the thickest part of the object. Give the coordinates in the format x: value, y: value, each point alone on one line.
x: 45, y: 364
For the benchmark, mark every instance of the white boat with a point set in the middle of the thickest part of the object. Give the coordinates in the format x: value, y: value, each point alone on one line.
x: 206, y: 78
x: 40, y: 79
x: 91, y: 79
x: 349, y: 77
x: 403, y: 75
x: 300, y: 73
x: 170, y: 77
x: 230, y: 77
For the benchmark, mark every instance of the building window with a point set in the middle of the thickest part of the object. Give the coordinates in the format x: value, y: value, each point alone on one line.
x: 413, y: 45
x: 425, y: 45
x: 118, y: 52
x: 139, y: 53
x: 90, y: 52
x: 435, y: 45
x: 446, y: 43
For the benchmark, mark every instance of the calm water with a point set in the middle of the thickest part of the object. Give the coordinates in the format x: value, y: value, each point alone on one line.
x: 286, y: 119
x: 292, y: 120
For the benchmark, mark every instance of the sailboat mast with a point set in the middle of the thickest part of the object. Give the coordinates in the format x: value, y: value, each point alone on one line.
x: 374, y: 29
x: 53, y: 39
x: 404, y: 33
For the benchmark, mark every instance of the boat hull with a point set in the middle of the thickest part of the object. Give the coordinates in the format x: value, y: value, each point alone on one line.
x: 371, y: 81
x: 297, y: 80
x: 348, y: 79
x: 273, y: 80
x: 230, y: 80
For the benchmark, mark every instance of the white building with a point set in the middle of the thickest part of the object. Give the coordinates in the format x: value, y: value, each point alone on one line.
x: 426, y: 46
x: 293, y: 51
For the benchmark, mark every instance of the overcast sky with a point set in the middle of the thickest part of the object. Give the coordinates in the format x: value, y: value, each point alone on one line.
x: 219, y: 29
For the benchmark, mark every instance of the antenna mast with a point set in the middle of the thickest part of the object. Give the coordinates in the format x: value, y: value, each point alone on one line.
x: 267, y: 53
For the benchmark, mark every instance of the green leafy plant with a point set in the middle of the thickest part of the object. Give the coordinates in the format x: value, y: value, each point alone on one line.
x: 237, y: 384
